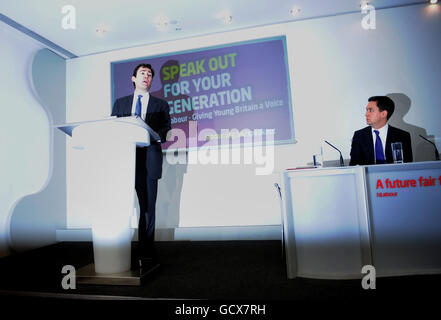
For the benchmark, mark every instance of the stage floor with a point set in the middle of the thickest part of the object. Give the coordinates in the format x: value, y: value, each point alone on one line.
x: 197, y: 270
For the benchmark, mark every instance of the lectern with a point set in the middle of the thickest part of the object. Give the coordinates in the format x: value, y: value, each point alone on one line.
x: 110, y: 145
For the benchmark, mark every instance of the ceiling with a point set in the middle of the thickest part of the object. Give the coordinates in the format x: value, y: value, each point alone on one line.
x: 134, y: 22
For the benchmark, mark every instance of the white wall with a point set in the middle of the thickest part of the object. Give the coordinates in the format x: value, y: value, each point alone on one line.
x: 335, y: 65
x: 36, y: 217
x: 24, y: 128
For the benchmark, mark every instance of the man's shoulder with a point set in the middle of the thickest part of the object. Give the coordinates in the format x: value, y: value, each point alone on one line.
x: 398, y: 131
x: 159, y: 103
x: 363, y: 131
x: 157, y: 100
x: 128, y: 97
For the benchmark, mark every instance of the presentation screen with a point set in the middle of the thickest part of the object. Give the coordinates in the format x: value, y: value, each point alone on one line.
x: 219, y: 94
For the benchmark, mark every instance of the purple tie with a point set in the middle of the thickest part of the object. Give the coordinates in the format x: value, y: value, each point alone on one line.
x: 379, y: 154
x: 138, y: 106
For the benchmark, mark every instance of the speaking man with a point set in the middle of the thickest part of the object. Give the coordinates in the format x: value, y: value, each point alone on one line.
x: 156, y: 113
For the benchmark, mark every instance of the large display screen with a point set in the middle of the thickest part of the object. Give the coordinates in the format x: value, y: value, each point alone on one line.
x: 232, y: 91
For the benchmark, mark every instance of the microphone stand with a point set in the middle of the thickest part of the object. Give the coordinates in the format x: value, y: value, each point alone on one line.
x: 342, y: 163
x: 436, y: 150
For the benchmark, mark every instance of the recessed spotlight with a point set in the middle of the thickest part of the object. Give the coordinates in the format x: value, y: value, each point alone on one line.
x: 162, y: 23
x: 225, y: 16
x: 364, y: 4
x: 295, y: 11
x: 228, y: 19
x: 177, y: 26
x: 101, y: 29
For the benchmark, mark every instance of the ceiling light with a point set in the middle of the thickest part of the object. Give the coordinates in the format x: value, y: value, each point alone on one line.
x: 295, y: 11
x: 433, y: 1
x: 101, y: 29
x: 364, y: 4
x: 225, y: 16
x: 162, y: 23
x: 176, y: 25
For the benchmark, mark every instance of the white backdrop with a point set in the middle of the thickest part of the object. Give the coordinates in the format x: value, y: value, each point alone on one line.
x: 335, y: 65
x: 25, y: 159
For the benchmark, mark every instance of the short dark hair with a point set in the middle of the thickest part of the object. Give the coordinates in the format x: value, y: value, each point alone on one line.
x: 143, y: 65
x: 384, y: 104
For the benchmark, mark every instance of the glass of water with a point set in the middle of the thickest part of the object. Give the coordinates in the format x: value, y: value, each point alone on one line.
x: 317, y: 159
x: 397, y: 152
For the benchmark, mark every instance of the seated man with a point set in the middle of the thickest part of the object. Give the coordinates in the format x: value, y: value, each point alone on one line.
x: 372, y: 145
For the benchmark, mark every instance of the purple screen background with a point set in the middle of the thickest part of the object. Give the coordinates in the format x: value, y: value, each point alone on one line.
x: 259, y: 67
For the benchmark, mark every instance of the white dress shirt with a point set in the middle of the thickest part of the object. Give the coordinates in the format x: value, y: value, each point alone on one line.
x: 382, y: 132
x: 144, y: 102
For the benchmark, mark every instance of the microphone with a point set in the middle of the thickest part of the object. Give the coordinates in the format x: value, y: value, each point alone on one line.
x: 342, y: 163
x: 436, y: 150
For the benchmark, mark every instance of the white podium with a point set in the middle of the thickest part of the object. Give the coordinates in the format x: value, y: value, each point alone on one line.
x: 337, y: 220
x: 111, y: 147
x: 325, y: 220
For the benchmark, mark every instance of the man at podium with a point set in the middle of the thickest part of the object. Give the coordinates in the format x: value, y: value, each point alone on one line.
x: 372, y: 145
x: 156, y: 113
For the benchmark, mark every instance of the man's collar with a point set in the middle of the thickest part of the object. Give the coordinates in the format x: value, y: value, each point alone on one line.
x: 139, y: 92
x: 382, y: 129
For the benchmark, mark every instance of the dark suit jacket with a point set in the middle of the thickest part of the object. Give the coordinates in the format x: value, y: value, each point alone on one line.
x: 158, y: 118
x: 362, y: 149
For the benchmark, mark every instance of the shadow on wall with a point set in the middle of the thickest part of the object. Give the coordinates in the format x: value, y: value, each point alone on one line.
x: 36, y: 217
x: 422, y: 150
x: 168, y: 202
x: 170, y: 186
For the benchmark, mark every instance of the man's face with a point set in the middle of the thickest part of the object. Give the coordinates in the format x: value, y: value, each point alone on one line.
x: 374, y: 117
x: 143, y: 79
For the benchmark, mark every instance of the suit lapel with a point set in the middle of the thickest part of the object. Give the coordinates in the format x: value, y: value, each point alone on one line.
x: 128, y: 105
x: 151, y: 108
x: 389, y: 138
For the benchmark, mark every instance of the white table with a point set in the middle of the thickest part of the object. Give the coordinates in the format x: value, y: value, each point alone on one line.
x: 335, y: 220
